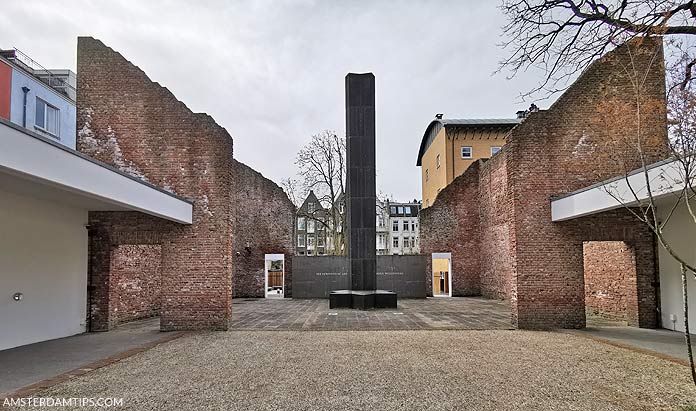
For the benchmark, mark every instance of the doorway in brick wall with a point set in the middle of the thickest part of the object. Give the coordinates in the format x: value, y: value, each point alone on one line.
x: 442, y: 274
x: 610, y: 282
x: 275, y: 275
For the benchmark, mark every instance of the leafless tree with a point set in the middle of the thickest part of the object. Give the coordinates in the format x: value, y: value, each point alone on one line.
x: 321, y: 167
x: 563, y: 37
x: 291, y: 187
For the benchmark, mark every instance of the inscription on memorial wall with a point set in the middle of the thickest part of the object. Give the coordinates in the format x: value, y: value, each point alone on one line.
x: 317, y: 276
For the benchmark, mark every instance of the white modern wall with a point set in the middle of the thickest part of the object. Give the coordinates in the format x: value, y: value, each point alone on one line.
x: 680, y: 233
x: 43, y: 254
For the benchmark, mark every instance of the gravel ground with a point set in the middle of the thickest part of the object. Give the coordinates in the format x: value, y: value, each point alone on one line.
x: 375, y: 370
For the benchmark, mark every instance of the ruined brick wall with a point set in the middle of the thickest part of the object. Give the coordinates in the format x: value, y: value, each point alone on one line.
x: 607, y: 266
x: 451, y: 225
x: 114, y: 260
x: 503, y: 220
x: 263, y: 224
x: 136, y: 281
x: 583, y: 138
x: 496, y: 255
x: 139, y: 127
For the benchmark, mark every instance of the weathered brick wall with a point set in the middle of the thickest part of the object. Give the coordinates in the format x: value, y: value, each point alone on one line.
x: 263, y: 224
x: 502, y: 222
x: 451, y: 224
x: 136, y: 281
x: 496, y: 255
x: 582, y: 139
x: 110, y: 232
x: 607, y: 266
x: 139, y: 127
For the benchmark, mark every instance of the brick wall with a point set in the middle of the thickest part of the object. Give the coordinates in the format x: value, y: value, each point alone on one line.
x: 135, y: 281
x: 496, y: 230
x: 497, y: 218
x: 451, y: 224
x: 263, y: 224
x: 578, y: 141
x: 113, y: 238
x: 607, y: 266
x: 139, y: 127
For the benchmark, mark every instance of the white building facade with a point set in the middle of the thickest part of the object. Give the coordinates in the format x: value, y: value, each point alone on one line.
x: 404, y: 227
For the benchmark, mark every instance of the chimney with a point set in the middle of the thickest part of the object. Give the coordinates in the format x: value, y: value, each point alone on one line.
x: 522, y: 114
x: 438, y: 116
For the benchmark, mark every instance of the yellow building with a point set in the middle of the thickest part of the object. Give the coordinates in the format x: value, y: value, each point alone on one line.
x: 450, y: 146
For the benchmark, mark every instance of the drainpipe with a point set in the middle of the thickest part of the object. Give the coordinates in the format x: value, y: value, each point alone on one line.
x: 25, y: 89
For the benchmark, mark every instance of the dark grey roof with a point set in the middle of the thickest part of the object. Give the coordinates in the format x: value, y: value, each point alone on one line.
x: 435, y: 126
x: 479, y: 121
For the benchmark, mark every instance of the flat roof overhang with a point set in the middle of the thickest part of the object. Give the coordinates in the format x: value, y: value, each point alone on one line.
x: 34, y: 165
x: 666, y: 178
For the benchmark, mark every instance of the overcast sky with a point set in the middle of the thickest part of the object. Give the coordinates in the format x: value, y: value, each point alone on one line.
x: 272, y: 72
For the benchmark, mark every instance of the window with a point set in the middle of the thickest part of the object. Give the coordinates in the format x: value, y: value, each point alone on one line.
x: 47, y: 118
x: 413, y: 242
x: 466, y: 152
x: 381, y: 241
x: 310, y: 243
x: 494, y: 149
x: 310, y: 226
x: 438, y: 161
x: 395, y: 242
x: 300, y: 240
x: 392, y: 210
x: 300, y: 223
x: 400, y: 210
x: 341, y: 208
x: 408, y: 210
x: 406, y: 242
x: 310, y: 253
x: 321, y: 223
x: 426, y: 175
x: 320, y: 241
x: 380, y: 221
x: 405, y: 225
x: 310, y: 207
x: 395, y: 225
x: 413, y: 226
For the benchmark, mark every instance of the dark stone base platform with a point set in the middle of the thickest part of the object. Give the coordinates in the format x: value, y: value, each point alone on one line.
x: 362, y: 300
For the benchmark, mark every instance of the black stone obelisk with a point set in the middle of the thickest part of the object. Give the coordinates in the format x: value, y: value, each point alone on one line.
x: 360, y: 181
x: 361, y: 200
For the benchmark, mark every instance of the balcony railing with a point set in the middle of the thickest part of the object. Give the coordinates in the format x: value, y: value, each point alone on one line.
x: 32, y: 66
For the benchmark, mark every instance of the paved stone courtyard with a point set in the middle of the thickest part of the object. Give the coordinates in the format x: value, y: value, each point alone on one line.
x: 417, y: 314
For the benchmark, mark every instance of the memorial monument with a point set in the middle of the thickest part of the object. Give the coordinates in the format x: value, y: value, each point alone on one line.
x: 361, y: 199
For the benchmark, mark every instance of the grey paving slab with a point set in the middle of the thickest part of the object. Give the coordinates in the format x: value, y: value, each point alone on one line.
x: 667, y: 342
x: 464, y: 313
x: 32, y: 363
